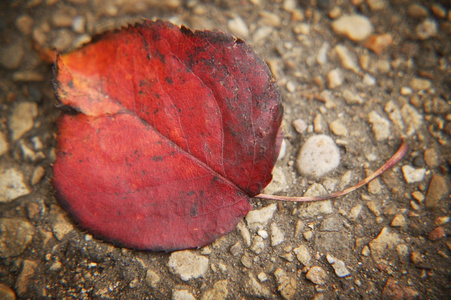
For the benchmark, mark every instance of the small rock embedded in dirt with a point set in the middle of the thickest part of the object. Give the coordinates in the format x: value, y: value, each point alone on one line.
x: 338, y: 265
x: 334, y: 78
x: 246, y: 260
x: 300, y: 125
x: 317, y: 275
x: 15, y: 236
x: 258, y: 245
x: 218, y: 292
x: 11, y: 55
x: 182, y: 295
x: 254, y: 288
x: 398, y: 221
x: 355, y: 27
x: 432, y: 158
x: 24, y: 23
x: 412, y: 118
x: 6, y: 293
x: 418, y: 84
x: 259, y: 218
x: 352, y: 97
x: 347, y: 59
x: 379, y: 42
x: 426, y: 29
x: 393, y: 290
x: 385, y: 241
x: 188, y: 265
x: 12, y: 185
x: 26, y: 275
x: 245, y: 234
x: 3, y: 144
x: 22, y: 119
x: 286, y: 284
x: 355, y: 212
x: 38, y: 174
x: 238, y: 26
x: 338, y: 128
x: 62, y: 225
x: 152, y: 278
x: 438, y: 189
x: 437, y: 233
x: 412, y: 175
x: 303, y: 255
x: 381, y: 126
x: 277, y: 236
x: 318, y: 156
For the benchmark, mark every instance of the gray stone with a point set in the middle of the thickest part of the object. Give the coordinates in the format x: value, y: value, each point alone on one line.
x: 188, y: 265
x: 437, y: 190
x: 385, y: 241
x: 334, y: 242
x: 254, y: 288
x: 22, y: 119
x: 12, y: 185
x: 24, y: 280
x: 277, y: 236
x: 218, y: 292
x: 381, y: 126
x: 333, y: 223
x: 182, y: 295
x: 152, y: 278
x: 308, y: 210
x: 412, y: 175
x: 355, y: 27
x: 259, y: 218
x: 338, y: 265
x: 286, y: 285
x: 318, y: 156
x: 11, y: 55
x: 15, y: 236
x: 303, y: 255
x: 317, y: 275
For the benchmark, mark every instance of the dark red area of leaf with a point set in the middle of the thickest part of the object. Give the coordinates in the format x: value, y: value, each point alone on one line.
x: 175, y: 131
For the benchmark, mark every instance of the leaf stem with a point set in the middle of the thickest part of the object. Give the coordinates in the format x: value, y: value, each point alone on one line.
x: 390, y: 163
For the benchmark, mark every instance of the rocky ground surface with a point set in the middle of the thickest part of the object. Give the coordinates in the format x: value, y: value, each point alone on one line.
x: 366, y: 73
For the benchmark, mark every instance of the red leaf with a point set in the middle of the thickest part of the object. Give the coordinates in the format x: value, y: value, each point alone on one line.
x: 174, y: 132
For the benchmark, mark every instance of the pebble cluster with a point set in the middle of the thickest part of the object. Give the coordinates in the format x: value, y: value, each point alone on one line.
x: 359, y: 74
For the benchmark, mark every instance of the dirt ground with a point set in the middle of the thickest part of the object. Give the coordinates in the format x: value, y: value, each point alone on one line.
x: 368, y: 81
